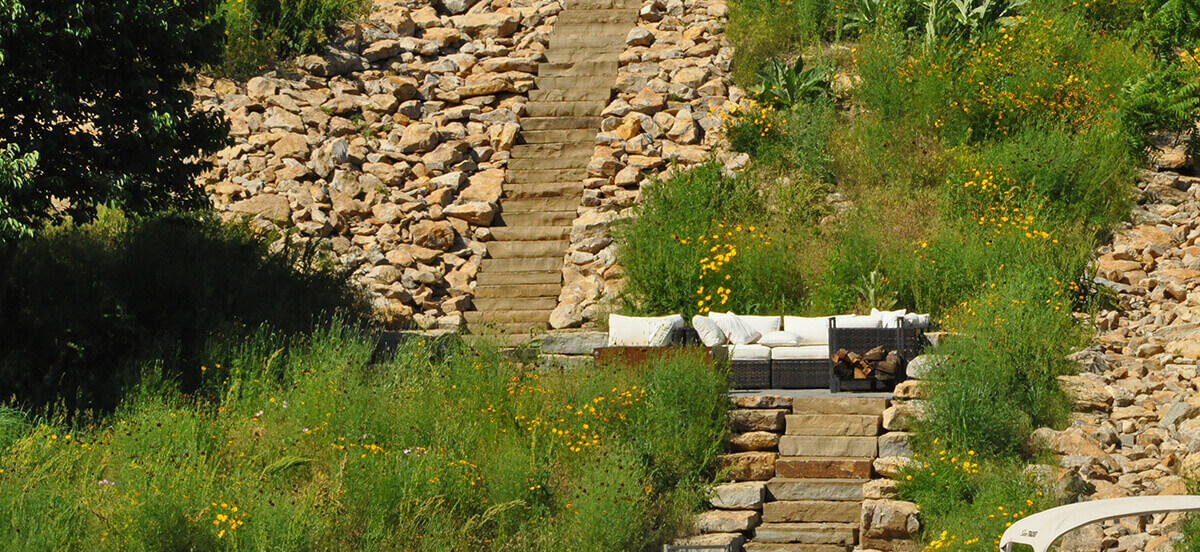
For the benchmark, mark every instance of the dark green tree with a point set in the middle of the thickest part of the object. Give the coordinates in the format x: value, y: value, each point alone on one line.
x: 97, y: 91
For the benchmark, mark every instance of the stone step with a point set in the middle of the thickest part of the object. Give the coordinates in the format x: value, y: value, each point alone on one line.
x: 508, y: 316
x: 562, y: 203
x: 590, y: 108
x: 526, y: 249
x: 578, y: 69
x: 543, y: 176
x: 568, y: 54
x: 808, y: 533
x: 570, y: 136
x: 571, y: 161
x: 551, y: 265
x: 572, y: 30
x: 570, y: 94
x: 597, y: 15
x: 807, y: 445
x: 515, y: 278
x: 495, y: 291
x: 785, y: 488
x: 554, y: 149
x: 510, y: 329
x: 585, y: 43
x: 544, y: 189
x: 833, y: 424
x: 791, y: 511
x: 839, y: 405
x: 603, y: 4
x: 544, y: 303
x: 530, y: 233
x: 794, y: 547
x: 823, y: 467
x: 560, y: 123
x: 567, y: 83
x: 598, y: 18
x: 544, y: 218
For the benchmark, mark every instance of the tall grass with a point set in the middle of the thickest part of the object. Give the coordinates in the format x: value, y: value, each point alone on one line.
x: 309, y: 446
x: 261, y: 32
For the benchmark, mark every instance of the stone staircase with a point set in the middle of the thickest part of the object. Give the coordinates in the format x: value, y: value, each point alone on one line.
x: 825, y: 457
x: 521, y: 277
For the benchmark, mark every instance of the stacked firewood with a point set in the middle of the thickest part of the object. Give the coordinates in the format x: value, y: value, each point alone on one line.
x: 878, y: 363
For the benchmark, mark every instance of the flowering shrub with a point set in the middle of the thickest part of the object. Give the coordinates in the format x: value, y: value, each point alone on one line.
x: 976, y: 497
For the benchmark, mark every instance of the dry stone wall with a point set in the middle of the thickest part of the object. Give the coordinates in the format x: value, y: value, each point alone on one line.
x: 389, y: 148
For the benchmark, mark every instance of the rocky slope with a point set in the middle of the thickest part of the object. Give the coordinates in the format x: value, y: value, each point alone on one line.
x: 1136, y: 429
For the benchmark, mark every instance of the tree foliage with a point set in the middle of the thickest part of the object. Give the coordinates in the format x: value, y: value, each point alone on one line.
x: 98, y: 90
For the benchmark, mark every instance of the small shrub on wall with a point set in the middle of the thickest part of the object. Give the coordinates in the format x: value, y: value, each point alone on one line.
x: 258, y: 32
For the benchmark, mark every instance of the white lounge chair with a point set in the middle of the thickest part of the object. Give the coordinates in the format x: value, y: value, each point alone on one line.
x: 1040, y: 530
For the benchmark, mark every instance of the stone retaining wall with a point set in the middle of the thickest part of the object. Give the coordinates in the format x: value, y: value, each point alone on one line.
x: 390, y: 148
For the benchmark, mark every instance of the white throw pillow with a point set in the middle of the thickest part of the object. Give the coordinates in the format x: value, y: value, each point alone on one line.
x: 856, y: 321
x: 812, y: 331
x: 888, y: 319
x: 761, y: 324
x: 781, y: 339
x: 736, y: 331
x: 914, y: 320
x: 710, y: 333
x: 633, y: 331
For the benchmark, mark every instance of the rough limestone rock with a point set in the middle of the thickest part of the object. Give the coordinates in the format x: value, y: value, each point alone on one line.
x: 747, y: 495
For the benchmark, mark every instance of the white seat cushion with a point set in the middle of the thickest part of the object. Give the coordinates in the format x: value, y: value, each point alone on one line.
x: 750, y: 352
x: 812, y: 331
x: 781, y: 339
x: 710, y: 333
x: 808, y: 352
x: 761, y: 324
x: 634, y: 331
x: 856, y: 321
x: 736, y: 331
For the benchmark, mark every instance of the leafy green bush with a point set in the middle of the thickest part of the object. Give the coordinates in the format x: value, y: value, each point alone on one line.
x: 784, y: 86
x: 701, y: 242
x: 85, y: 305
x: 974, y: 498
x: 258, y: 32
x: 308, y: 445
x: 999, y: 382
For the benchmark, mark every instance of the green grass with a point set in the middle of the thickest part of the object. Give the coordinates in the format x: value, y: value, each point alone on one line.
x: 308, y: 445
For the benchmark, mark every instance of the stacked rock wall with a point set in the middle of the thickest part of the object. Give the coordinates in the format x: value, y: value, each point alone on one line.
x: 390, y: 147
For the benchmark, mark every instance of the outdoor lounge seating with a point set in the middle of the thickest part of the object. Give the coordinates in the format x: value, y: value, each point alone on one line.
x: 782, y: 352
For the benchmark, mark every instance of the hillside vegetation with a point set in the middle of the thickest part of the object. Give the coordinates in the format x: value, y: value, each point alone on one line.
x: 959, y: 158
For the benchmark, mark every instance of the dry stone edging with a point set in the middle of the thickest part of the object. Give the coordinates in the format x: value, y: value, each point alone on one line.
x: 1136, y: 426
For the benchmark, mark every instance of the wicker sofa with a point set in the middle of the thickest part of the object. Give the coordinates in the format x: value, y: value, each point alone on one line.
x: 779, y: 352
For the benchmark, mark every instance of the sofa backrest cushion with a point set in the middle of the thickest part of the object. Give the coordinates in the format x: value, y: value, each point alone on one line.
x: 634, y: 331
x: 888, y: 319
x: 710, y: 333
x: 812, y: 330
x: 857, y: 321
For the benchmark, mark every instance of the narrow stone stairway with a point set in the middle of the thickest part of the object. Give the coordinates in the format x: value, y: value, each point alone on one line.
x: 520, y: 280
x: 825, y: 457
